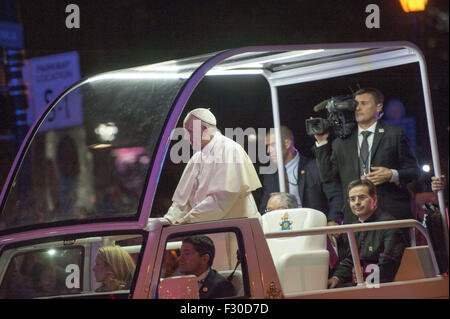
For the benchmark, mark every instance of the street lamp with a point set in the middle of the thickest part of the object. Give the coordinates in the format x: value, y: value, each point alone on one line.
x: 413, y: 5
x: 415, y: 8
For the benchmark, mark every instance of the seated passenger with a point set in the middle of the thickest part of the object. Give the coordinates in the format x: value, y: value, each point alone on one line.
x: 114, y: 268
x: 383, y: 247
x: 197, y: 255
x: 335, y: 243
x: 281, y: 200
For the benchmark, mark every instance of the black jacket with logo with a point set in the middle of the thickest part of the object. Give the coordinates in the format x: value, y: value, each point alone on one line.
x: 216, y: 286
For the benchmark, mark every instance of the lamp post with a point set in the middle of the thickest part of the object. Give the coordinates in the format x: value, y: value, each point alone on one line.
x: 415, y: 8
x: 413, y: 5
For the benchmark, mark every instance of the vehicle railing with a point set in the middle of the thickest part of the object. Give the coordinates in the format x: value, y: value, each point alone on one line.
x: 352, y: 228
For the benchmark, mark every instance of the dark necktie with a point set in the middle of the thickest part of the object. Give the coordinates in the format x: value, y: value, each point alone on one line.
x: 364, y: 154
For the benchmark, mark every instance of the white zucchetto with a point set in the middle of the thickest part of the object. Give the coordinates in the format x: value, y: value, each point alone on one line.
x: 203, y: 115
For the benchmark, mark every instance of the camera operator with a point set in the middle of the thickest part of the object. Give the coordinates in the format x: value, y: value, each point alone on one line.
x: 375, y: 150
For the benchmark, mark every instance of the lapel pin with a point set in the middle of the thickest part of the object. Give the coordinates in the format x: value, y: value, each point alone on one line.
x: 381, y: 130
x: 302, y: 172
x: 205, y: 289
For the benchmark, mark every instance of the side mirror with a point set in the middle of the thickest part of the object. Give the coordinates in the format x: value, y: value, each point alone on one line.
x: 179, y: 287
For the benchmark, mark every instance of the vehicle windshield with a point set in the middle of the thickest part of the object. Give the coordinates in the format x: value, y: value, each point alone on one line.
x: 89, y: 157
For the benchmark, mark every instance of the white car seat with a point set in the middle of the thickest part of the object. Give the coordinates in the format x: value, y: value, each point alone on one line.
x: 301, y: 261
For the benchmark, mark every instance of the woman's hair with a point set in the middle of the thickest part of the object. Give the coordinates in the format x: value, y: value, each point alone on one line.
x: 121, y: 264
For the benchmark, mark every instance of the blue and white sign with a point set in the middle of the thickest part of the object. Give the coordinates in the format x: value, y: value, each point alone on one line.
x: 11, y: 35
x: 47, y: 78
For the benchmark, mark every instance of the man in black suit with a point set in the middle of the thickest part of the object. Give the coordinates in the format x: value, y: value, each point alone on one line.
x: 375, y: 150
x: 196, y: 258
x: 303, y: 181
x: 379, y: 250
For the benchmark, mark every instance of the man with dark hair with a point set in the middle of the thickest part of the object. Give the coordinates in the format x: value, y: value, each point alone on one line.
x: 377, y: 95
x: 380, y: 249
x: 371, y: 189
x: 196, y: 258
x: 302, y: 180
x: 376, y: 151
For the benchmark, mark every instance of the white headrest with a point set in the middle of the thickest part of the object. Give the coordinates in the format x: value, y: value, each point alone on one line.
x: 292, y: 219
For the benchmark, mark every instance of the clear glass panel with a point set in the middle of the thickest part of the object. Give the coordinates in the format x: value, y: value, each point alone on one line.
x: 90, y: 156
x: 79, y: 268
x: 42, y: 273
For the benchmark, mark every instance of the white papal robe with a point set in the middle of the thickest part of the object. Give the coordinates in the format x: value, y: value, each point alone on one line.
x: 216, y: 183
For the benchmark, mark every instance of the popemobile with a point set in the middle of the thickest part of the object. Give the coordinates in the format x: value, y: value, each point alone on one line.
x: 108, y: 178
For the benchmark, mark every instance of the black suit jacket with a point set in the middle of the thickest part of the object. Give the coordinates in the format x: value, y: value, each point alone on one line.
x: 382, y: 247
x: 216, y: 286
x: 390, y: 149
x: 325, y: 197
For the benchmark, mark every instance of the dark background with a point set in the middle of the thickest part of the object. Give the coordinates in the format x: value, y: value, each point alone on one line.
x: 116, y: 34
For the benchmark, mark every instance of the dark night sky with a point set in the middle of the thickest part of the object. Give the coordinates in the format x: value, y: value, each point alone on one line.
x: 117, y: 34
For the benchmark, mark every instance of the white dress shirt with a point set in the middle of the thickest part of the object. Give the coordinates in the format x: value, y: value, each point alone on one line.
x: 201, y: 278
x: 292, y: 175
x: 395, y: 178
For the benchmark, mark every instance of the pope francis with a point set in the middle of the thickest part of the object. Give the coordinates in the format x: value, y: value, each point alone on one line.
x: 218, y: 180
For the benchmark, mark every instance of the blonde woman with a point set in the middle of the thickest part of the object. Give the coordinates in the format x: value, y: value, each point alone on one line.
x: 114, y: 268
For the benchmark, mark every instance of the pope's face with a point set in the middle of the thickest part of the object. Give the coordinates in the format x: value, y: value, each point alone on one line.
x: 194, y: 127
x: 366, y: 110
x: 361, y: 204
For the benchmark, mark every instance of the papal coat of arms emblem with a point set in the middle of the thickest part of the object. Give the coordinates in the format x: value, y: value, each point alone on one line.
x: 285, y: 223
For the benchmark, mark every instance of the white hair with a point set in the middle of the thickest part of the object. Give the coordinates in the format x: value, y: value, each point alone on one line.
x: 286, y: 199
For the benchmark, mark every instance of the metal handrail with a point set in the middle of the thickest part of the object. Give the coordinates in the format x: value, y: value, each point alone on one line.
x: 351, y: 229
